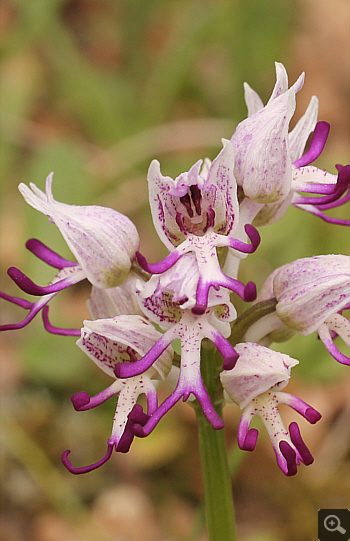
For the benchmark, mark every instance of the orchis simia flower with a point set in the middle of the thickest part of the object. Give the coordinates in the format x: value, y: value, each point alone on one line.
x: 255, y: 384
x: 103, y: 241
x: 198, y: 212
x: 311, y: 294
x: 107, y: 342
x: 270, y: 166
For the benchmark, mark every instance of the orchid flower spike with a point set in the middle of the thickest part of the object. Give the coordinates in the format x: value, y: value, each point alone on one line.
x: 255, y: 384
x: 198, y: 212
x: 311, y: 294
x: 103, y: 240
x: 109, y: 342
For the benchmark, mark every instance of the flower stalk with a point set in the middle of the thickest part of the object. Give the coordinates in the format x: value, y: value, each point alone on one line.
x: 219, y: 508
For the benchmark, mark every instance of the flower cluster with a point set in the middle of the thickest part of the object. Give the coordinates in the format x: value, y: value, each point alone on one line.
x: 207, y: 218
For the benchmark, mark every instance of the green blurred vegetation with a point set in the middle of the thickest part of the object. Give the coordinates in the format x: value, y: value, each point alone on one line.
x: 94, y: 90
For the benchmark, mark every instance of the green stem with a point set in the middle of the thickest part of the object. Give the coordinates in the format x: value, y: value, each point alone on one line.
x: 219, y: 510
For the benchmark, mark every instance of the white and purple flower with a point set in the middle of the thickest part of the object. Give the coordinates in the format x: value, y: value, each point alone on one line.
x: 103, y: 241
x: 311, y: 294
x: 116, y: 340
x: 255, y: 384
x: 181, y: 323
x: 270, y: 163
x: 198, y: 212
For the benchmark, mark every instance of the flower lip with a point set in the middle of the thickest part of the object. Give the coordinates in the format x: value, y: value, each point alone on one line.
x: 67, y: 276
x: 289, y: 448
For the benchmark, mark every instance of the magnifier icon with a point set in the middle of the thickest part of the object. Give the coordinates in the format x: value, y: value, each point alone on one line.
x: 332, y: 524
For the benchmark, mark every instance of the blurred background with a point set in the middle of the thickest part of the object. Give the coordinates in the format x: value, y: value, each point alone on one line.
x: 94, y: 90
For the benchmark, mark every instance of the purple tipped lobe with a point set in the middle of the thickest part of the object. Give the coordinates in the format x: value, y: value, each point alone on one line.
x: 136, y: 420
x: 86, y: 469
x: 28, y: 286
x: 312, y: 415
x: 250, y: 440
x: 80, y: 400
x: 249, y: 292
x: 296, y: 438
x: 290, y: 456
x: 49, y: 256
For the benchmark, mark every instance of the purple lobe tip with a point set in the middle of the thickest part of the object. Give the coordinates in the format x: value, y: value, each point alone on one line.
x: 250, y: 292
x: 250, y: 439
x: 230, y: 362
x: 296, y: 438
x: 117, y: 370
x: 137, y: 415
x: 86, y: 469
x: 199, y: 309
x: 312, y: 415
x: 80, y: 400
x: 141, y: 261
x: 290, y: 456
x: 253, y: 235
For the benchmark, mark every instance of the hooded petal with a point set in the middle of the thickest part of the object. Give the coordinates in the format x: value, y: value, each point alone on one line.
x: 257, y: 370
x: 253, y: 101
x: 196, y: 200
x: 281, y: 85
x: 103, y: 240
x: 263, y: 165
x: 123, y: 339
x: 310, y: 290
